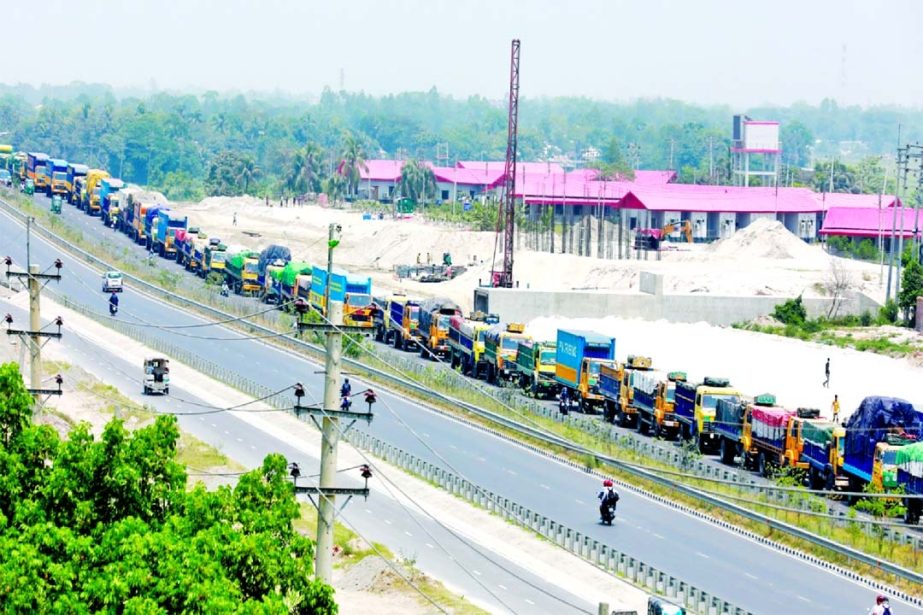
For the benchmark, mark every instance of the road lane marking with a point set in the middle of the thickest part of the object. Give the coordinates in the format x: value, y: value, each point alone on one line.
x: 501, y: 586
x: 511, y: 472
x: 802, y: 598
x: 430, y: 546
x: 656, y: 535
x: 477, y: 572
x: 700, y: 554
x: 544, y: 486
x: 213, y: 425
x: 529, y: 602
x: 752, y: 576
x: 388, y: 522
x: 579, y: 501
x: 240, y: 439
x: 408, y: 533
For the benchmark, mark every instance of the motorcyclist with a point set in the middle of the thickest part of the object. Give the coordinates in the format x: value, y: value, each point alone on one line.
x: 346, y: 389
x: 113, y: 303
x: 564, y: 401
x: 608, y: 498
x: 882, y: 606
x: 225, y: 289
x: 346, y: 403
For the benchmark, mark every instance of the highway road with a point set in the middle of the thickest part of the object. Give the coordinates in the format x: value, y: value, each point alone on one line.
x: 380, y: 519
x: 750, y: 575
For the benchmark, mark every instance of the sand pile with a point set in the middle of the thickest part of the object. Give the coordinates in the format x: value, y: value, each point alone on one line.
x: 145, y: 196
x: 764, y: 238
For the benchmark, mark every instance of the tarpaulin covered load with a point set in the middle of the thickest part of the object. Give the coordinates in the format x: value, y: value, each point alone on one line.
x: 729, y: 412
x: 237, y: 260
x: 292, y: 270
x: 875, y: 419
x: 272, y: 254
x: 910, y: 459
x: 818, y: 432
x: 769, y: 422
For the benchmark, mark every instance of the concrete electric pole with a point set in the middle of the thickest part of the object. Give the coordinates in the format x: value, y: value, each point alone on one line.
x: 331, y: 412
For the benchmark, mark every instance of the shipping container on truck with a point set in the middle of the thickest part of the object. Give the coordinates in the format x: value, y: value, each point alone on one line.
x: 74, y: 171
x: 284, y: 285
x: 535, y: 364
x: 695, y: 410
x: 579, y: 355
x: 772, y: 439
x: 653, y: 397
x: 822, y: 448
x: 57, y: 177
x: 435, y: 315
x: 466, y: 345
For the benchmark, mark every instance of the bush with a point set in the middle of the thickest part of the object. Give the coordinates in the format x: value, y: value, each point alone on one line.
x: 865, y: 319
x: 791, y: 312
x: 887, y: 314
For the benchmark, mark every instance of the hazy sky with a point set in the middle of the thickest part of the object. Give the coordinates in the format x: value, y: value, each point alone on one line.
x: 740, y: 52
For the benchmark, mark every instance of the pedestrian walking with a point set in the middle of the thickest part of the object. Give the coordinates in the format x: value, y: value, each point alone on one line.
x: 836, y: 408
x: 827, y: 374
x: 234, y: 219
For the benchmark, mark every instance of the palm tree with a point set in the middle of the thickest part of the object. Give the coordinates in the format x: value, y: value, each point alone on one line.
x: 353, y: 162
x: 304, y: 175
x: 247, y: 172
x: 334, y: 187
x: 417, y: 180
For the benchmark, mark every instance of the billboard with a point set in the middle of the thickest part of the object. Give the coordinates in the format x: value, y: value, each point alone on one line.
x: 761, y: 136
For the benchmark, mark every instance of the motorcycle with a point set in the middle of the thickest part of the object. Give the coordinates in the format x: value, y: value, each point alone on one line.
x: 113, y: 309
x: 607, y: 513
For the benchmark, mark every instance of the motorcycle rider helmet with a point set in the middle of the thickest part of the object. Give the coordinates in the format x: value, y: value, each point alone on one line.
x: 607, y: 483
x: 880, y: 599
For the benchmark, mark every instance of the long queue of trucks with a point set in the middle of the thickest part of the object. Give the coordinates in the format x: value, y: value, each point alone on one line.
x: 878, y: 446
x: 167, y: 233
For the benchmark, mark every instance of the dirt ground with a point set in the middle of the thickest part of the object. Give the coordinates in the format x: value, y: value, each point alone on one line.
x: 763, y: 259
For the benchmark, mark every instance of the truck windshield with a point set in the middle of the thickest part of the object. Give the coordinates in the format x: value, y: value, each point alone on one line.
x: 360, y: 300
x: 547, y: 356
x: 711, y: 401
x: 252, y: 267
x: 509, y: 343
x: 443, y: 322
x: 671, y: 393
x: 218, y: 257
x: 414, y: 313
x: 59, y: 175
x: 594, y: 368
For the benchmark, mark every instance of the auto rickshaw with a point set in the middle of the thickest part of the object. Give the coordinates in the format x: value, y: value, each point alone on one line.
x: 28, y: 187
x: 56, y: 204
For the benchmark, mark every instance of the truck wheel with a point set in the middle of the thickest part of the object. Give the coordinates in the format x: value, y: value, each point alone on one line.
x: 814, y: 479
x: 829, y: 481
x: 622, y: 418
x: 704, y: 447
x: 147, y: 391
x: 727, y: 452
x: 641, y: 425
x: 912, y: 510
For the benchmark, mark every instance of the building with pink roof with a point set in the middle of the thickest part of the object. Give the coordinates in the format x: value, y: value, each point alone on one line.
x: 869, y: 222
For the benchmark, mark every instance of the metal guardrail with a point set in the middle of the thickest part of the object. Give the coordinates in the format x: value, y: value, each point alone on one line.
x: 611, y: 560
x: 540, y: 435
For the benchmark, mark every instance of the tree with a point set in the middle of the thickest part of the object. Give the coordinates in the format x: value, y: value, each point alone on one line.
x: 353, y: 163
x: 247, y: 171
x: 334, y: 187
x: 911, y: 288
x: 305, y: 170
x: 106, y: 525
x: 417, y: 181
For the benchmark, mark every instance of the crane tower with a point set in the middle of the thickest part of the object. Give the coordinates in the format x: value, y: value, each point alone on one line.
x: 506, y: 215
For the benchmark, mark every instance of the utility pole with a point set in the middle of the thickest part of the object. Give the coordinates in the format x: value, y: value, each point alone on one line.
x: 330, y: 412
x: 34, y: 333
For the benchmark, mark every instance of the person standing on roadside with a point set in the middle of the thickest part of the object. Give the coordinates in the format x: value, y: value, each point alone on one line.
x: 827, y: 374
x: 836, y: 408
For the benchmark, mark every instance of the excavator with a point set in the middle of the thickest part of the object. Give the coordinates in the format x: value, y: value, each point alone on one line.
x: 651, y: 238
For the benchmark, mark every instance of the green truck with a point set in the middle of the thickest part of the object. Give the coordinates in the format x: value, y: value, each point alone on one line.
x: 242, y: 271
x: 213, y: 258
x: 535, y: 363
x: 500, y: 345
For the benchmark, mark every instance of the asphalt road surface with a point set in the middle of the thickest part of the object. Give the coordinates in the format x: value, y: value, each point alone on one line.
x: 753, y: 576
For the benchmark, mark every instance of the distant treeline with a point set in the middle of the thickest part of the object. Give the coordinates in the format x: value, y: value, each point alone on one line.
x: 188, y: 146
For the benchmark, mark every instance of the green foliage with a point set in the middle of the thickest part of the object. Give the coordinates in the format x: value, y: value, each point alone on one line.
x: 864, y: 249
x: 230, y: 174
x: 911, y: 288
x: 418, y: 181
x: 887, y: 314
x: 865, y: 319
x: 91, y: 525
x: 790, y: 312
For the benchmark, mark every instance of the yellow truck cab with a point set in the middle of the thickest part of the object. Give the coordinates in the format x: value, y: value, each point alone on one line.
x: 695, y: 409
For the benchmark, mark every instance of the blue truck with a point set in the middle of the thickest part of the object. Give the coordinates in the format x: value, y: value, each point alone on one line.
x: 150, y: 226
x: 167, y: 223
x: 578, y: 358
x: 355, y: 292
x: 74, y: 172
x: 57, y: 177
x: 109, y: 200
